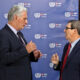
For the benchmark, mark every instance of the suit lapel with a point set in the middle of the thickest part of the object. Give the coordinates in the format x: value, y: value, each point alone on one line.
x: 12, y: 33
x: 73, y: 52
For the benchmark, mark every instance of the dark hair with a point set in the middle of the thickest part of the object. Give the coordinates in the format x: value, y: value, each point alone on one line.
x: 75, y: 24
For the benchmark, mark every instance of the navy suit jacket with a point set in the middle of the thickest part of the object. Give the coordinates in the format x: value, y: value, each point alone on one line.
x: 72, y: 68
x: 14, y: 59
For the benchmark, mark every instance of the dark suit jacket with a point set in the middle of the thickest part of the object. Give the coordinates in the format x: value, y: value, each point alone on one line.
x: 14, y: 59
x: 72, y: 68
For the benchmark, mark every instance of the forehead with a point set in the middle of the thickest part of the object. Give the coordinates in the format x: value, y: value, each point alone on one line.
x: 68, y: 25
x: 24, y: 13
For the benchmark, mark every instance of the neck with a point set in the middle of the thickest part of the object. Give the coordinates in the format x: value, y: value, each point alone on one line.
x: 74, y: 38
x: 12, y: 24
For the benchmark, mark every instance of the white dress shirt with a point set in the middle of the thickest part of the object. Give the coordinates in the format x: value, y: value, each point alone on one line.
x: 73, y: 44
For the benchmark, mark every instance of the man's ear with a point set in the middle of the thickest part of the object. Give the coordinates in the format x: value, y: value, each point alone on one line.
x: 75, y: 31
x: 15, y: 17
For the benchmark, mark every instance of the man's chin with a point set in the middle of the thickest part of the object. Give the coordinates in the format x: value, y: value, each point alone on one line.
x: 66, y: 37
x: 22, y: 27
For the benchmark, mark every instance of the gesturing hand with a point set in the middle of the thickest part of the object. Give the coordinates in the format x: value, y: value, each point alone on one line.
x: 55, y: 59
x: 31, y: 47
x: 37, y: 54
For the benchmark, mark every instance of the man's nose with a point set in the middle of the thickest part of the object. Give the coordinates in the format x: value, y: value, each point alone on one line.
x: 64, y: 30
x: 26, y: 21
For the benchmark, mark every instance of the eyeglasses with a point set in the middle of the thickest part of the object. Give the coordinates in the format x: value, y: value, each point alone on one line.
x: 68, y: 28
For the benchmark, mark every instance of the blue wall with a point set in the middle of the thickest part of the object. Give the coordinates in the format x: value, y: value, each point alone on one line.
x: 46, y: 23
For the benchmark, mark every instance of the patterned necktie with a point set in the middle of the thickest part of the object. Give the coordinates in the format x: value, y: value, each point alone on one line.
x: 20, y: 37
x: 64, y: 61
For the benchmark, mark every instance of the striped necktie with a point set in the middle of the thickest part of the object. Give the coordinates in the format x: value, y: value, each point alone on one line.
x: 20, y: 37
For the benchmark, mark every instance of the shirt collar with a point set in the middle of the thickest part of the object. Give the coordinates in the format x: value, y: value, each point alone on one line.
x: 12, y: 28
x: 74, y: 43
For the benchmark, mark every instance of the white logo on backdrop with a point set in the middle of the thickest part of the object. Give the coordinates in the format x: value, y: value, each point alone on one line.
x: 40, y: 75
x: 37, y: 75
x: 51, y: 65
x: 52, y: 25
x: 52, y: 45
x: 6, y: 15
x: 67, y: 14
x: 37, y: 15
x: 37, y: 36
x: 52, y: 4
x: 55, y: 4
x: 40, y: 36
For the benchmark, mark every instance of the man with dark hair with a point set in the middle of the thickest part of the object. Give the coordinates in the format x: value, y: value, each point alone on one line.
x: 70, y: 65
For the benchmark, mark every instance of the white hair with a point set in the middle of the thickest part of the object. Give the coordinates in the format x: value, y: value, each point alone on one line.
x: 15, y: 10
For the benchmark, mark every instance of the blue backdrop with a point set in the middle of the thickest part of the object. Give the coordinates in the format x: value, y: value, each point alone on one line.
x: 46, y: 23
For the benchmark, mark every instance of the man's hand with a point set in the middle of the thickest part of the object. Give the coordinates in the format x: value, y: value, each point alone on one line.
x: 37, y: 54
x: 55, y: 59
x: 31, y: 47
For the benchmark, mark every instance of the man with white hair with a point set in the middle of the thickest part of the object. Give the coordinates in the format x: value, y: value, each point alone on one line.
x: 15, y: 53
